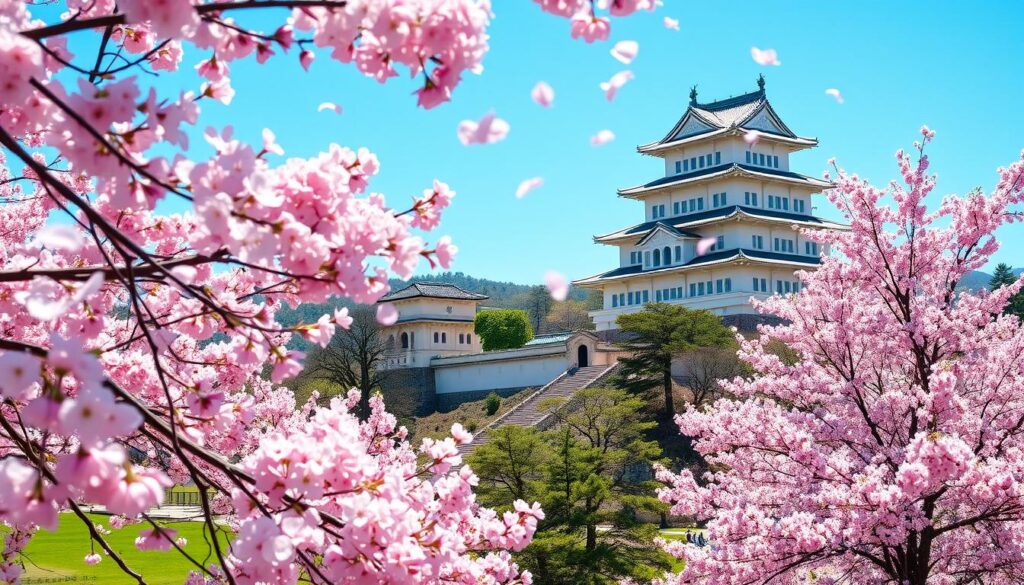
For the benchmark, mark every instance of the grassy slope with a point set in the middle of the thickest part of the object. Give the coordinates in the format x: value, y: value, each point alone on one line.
x: 470, y: 415
x: 61, y: 553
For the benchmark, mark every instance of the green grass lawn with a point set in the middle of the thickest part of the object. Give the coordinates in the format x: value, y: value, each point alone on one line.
x: 60, y: 554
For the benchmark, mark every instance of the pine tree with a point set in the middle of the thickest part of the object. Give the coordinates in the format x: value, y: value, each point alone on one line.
x: 1003, y: 276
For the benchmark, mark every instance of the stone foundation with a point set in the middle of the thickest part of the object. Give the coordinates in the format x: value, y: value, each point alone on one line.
x: 410, y: 391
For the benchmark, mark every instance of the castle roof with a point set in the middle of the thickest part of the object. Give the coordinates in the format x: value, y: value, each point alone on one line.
x: 720, y: 171
x: 690, y: 220
x: 734, y: 115
x: 721, y: 257
x: 432, y: 290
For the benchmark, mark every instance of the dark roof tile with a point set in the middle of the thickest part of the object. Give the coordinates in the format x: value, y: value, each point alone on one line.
x: 432, y: 290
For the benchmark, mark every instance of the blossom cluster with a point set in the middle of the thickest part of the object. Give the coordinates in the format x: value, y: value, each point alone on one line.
x: 895, y: 430
x: 587, y: 21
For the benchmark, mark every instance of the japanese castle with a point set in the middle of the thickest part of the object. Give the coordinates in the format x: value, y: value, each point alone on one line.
x: 717, y: 188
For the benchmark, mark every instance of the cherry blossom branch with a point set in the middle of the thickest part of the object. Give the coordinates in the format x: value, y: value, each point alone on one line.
x: 118, y: 19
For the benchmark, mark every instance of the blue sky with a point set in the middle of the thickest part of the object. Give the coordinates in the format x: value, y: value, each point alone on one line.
x: 953, y: 66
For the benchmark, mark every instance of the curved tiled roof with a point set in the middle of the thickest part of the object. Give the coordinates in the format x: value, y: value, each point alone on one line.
x: 788, y: 176
x: 432, y: 290
x: 681, y: 222
x: 722, y: 256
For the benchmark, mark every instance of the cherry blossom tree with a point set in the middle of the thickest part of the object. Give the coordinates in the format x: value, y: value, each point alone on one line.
x: 136, y: 342
x: 891, y: 450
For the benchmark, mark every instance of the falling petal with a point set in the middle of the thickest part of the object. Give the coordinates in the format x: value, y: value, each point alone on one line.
x: 751, y: 137
x: 387, y: 314
x: 625, y: 51
x: 671, y: 23
x: 602, y: 137
x: 329, y: 106
x: 613, y: 85
x: 765, y: 57
x: 543, y: 94
x: 487, y: 130
x: 527, y: 186
x: 557, y: 285
x: 835, y: 93
x: 704, y: 245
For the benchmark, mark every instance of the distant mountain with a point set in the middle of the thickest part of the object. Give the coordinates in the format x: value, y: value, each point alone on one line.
x: 975, y: 280
x: 505, y: 295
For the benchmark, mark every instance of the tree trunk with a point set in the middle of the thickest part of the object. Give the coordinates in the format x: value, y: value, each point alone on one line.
x: 591, y: 537
x: 364, y: 393
x: 670, y: 407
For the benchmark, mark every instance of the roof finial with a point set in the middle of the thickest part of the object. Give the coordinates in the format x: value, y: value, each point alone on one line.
x: 760, y: 82
x: 693, y: 95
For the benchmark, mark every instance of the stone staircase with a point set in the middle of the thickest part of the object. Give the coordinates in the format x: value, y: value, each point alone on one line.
x: 528, y: 413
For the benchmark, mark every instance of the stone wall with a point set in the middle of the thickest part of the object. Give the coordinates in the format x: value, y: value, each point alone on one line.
x: 410, y: 391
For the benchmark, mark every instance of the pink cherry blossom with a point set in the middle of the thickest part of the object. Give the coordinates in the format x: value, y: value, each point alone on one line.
x: 169, y: 18
x: 528, y: 185
x: 342, y: 318
x: 751, y: 137
x: 612, y: 86
x: 670, y: 23
x: 625, y: 51
x: 19, y: 372
x: 602, y: 137
x: 92, y: 559
x: 590, y: 28
x: 488, y: 130
x: 387, y: 314
x: 543, y: 94
x: 765, y: 56
x: 835, y: 94
x: 306, y: 59
x: 557, y: 285
x: 158, y: 539
x: 445, y: 251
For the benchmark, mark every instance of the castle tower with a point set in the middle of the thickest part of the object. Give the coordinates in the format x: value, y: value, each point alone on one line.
x: 434, y: 320
x: 716, y: 186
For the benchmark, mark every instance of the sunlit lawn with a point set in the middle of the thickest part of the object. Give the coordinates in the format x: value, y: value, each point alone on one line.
x: 60, y: 554
x: 679, y: 534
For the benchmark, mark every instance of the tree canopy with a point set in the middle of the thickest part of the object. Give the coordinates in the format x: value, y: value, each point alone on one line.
x: 659, y: 333
x: 503, y: 328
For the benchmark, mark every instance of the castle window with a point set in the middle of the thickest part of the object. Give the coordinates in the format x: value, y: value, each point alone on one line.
x: 437, y: 337
x: 720, y: 243
x: 686, y: 165
x: 679, y: 166
x: 615, y: 301
x: 469, y: 338
x: 675, y: 208
x: 718, y: 158
x: 405, y: 340
x: 657, y: 259
x: 811, y: 248
x: 775, y: 161
x: 679, y: 253
x: 444, y: 337
x: 657, y: 296
x: 748, y: 156
x: 701, y: 162
x: 647, y: 297
x: 462, y: 338
x: 798, y: 205
x: 693, y: 163
x: 666, y: 253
